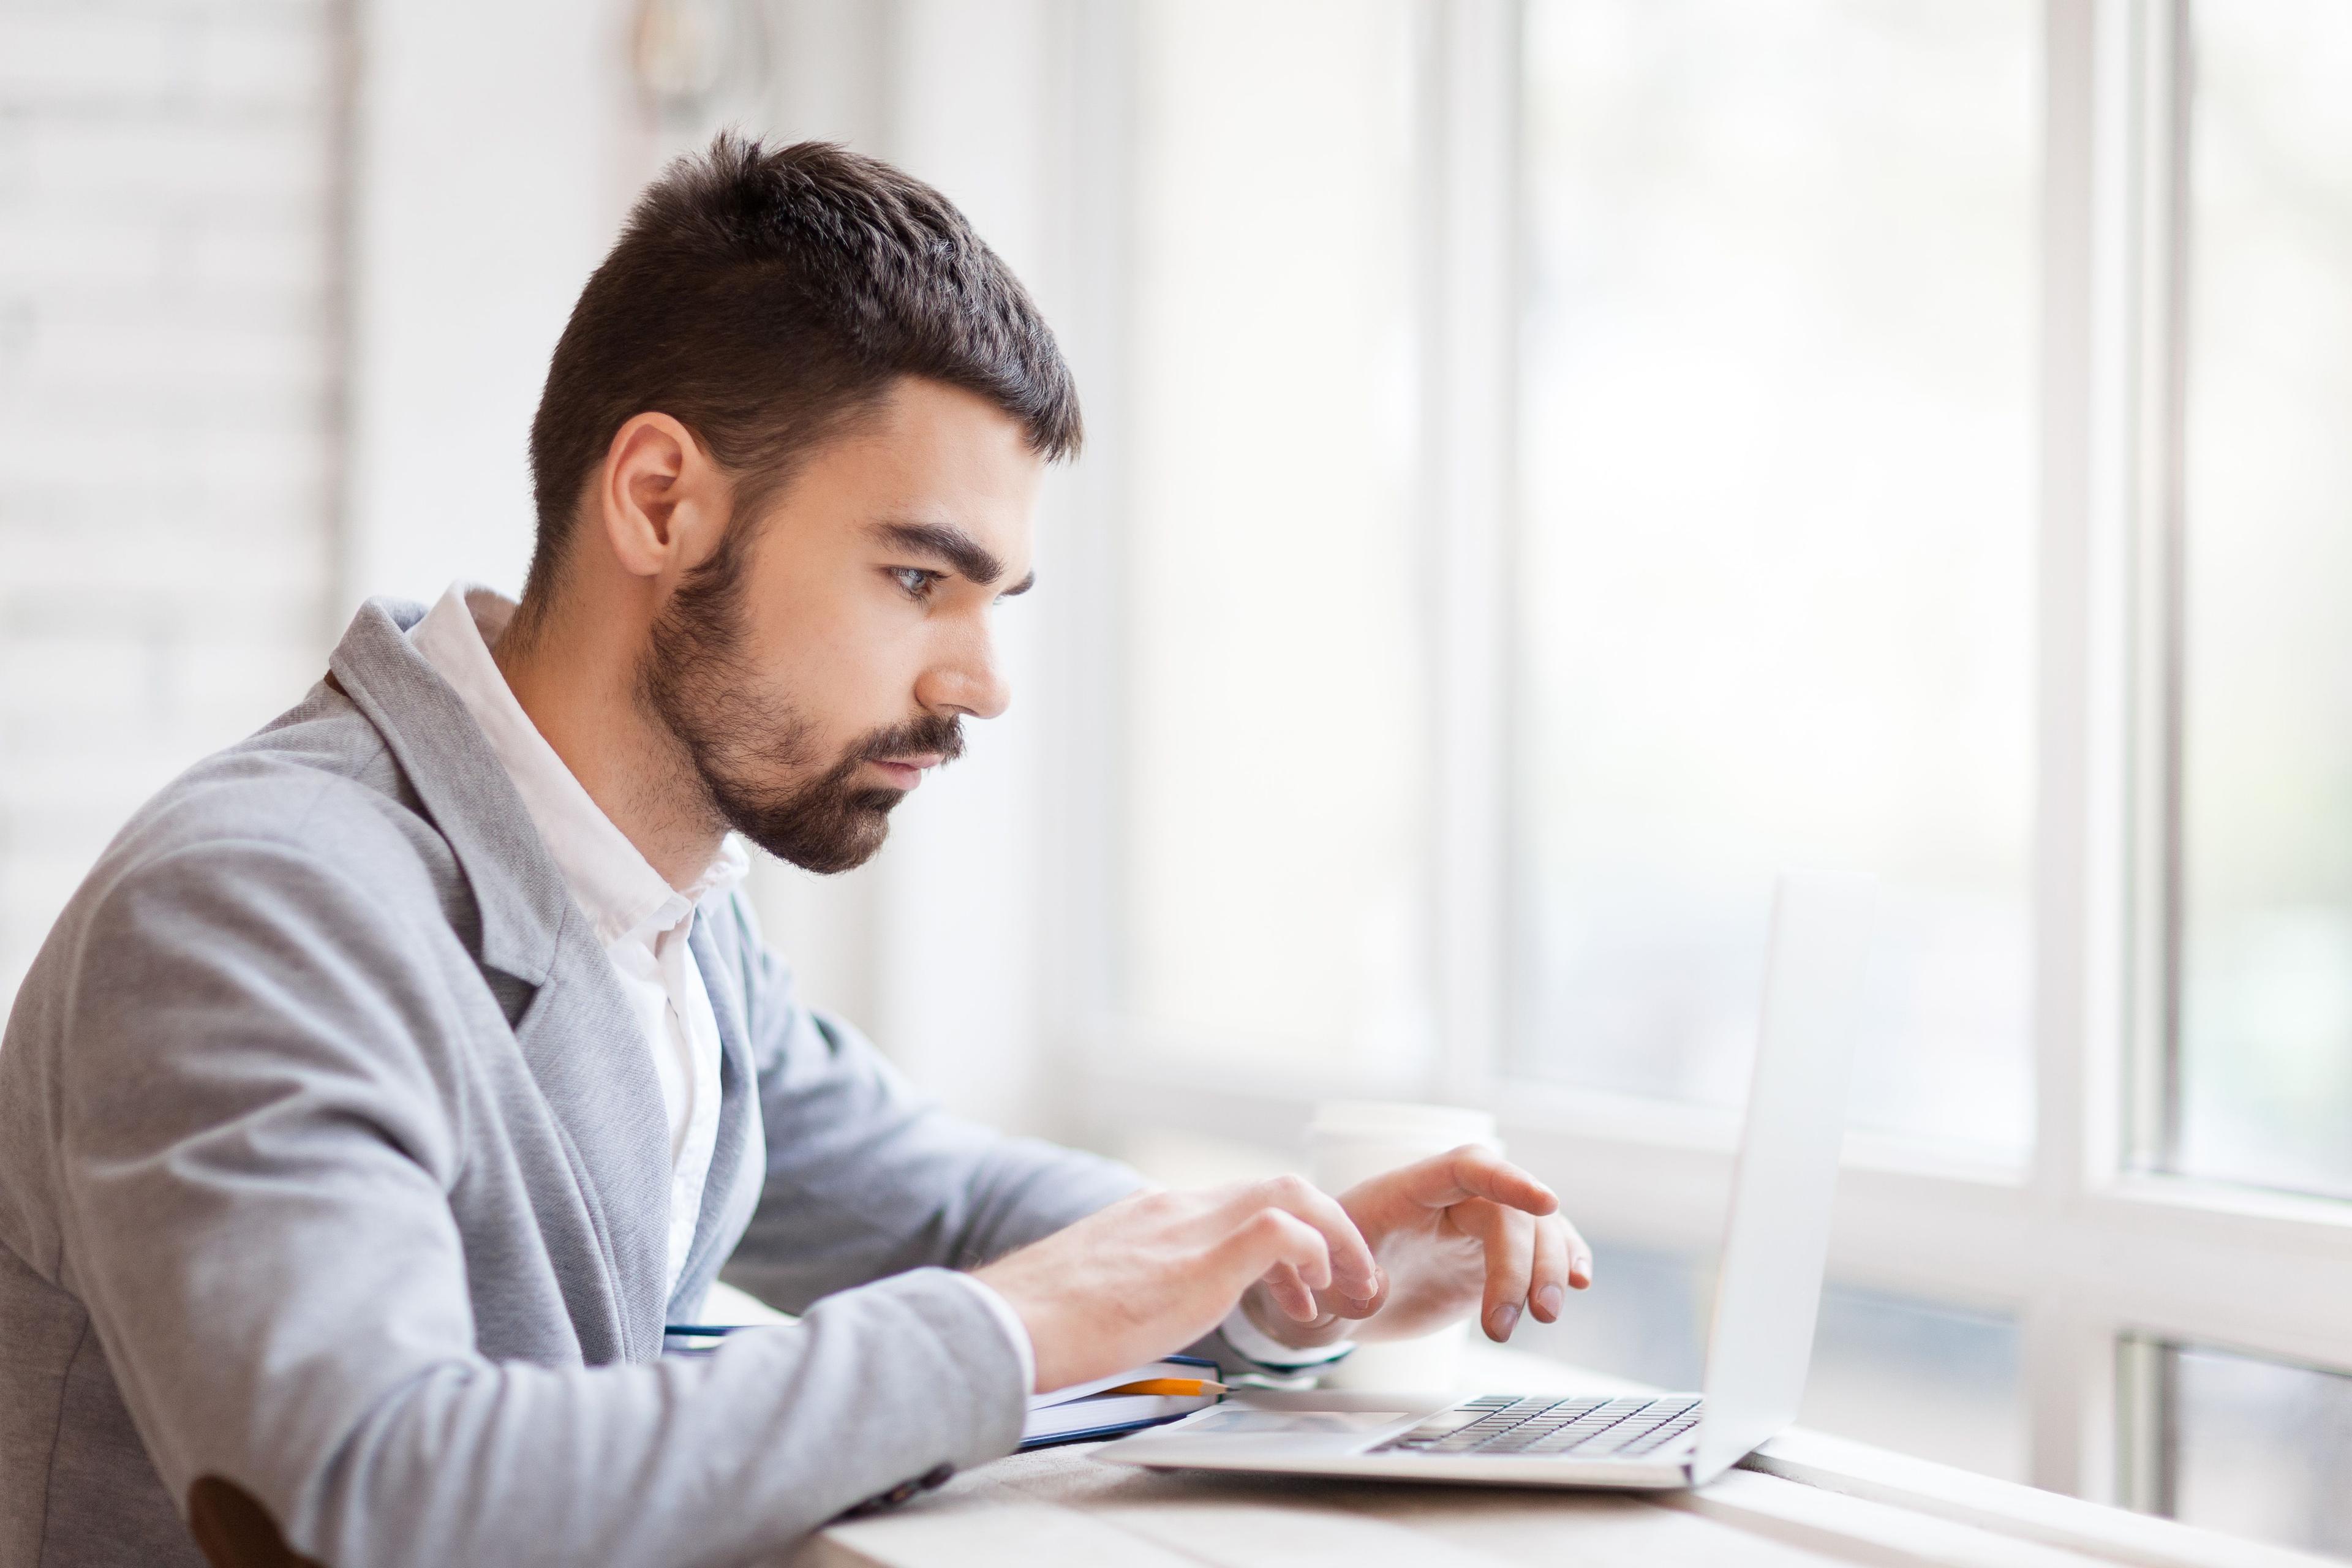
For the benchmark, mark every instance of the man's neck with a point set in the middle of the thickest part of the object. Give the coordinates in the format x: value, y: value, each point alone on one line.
x: 580, y: 692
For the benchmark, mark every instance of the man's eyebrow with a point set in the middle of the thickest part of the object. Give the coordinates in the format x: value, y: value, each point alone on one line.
x: 952, y: 545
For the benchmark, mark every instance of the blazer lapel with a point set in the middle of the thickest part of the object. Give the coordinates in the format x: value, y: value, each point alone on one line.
x: 576, y: 1033
x: 590, y: 1064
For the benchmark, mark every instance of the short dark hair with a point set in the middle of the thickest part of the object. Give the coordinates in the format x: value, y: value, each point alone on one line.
x: 765, y: 298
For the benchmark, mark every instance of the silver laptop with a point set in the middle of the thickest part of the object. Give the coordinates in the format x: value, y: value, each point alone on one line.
x: 1769, y: 1289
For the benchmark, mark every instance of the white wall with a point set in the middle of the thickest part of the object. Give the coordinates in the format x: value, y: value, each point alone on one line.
x: 169, y: 193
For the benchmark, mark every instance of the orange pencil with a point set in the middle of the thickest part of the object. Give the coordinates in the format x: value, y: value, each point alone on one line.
x: 1183, y: 1386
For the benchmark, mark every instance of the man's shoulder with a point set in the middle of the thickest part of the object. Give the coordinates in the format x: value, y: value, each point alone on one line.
x: 299, y: 840
x: 317, y: 783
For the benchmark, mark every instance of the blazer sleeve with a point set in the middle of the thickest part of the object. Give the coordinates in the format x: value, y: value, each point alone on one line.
x: 864, y: 1177
x: 259, y: 1128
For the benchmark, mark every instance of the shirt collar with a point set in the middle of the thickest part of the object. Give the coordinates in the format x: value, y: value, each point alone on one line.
x: 616, y: 886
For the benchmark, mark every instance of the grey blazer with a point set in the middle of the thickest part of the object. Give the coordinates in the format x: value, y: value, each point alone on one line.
x: 333, y: 1178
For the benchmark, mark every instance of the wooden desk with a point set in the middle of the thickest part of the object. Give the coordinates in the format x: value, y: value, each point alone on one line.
x: 1802, y: 1500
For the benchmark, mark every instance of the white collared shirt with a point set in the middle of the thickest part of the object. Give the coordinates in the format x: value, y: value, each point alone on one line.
x: 642, y: 922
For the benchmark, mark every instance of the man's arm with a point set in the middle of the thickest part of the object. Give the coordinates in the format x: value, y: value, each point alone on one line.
x: 259, y: 1127
x: 864, y: 1178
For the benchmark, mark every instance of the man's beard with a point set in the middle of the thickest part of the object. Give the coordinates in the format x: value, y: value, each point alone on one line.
x: 694, y: 680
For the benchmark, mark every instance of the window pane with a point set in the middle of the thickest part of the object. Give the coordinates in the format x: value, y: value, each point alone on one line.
x: 2266, y: 977
x: 1275, y: 737
x: 2261, y: 1448
x: 1776, y: 558
x: 1916, y: 1376
x: 1919, y: 1377
x: 1645, y: 1318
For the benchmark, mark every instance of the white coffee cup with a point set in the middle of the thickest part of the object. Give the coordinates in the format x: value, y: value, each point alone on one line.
x: 1350, y: 1140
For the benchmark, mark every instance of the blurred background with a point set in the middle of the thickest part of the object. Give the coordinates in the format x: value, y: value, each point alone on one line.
x: 1550, y: 467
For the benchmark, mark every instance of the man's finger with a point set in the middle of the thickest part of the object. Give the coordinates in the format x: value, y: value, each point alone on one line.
x: 1272, y: 1235
x: 1548, y: 1283
x: 1509, y: 1237
x: 1352, y: 1273
x: 1471, y: 1171
x: 1289, y: 1292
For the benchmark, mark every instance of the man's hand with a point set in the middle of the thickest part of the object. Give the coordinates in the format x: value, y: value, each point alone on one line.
x: 1154, y: 1272
x: 1459, y: 1230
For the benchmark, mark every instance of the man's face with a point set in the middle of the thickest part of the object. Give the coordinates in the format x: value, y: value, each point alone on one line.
x: 825, y: 657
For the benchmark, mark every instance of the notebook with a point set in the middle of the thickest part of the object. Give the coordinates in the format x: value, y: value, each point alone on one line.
x: 1103, y: 1408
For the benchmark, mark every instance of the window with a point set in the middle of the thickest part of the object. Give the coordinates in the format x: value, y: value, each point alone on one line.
x: 2265, y: 1007
x: 2243, y: 1444
x: 1775, y: 410
x: 1692, y: 437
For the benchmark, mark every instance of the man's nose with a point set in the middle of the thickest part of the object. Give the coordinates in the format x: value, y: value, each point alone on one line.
x: 972, y: 682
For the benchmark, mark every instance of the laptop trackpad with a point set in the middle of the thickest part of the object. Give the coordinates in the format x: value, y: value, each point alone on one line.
x: 1347, y: 1424
x: 1249, y: 1433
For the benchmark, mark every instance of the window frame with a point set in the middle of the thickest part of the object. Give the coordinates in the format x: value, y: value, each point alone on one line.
x: 2091, y: 1246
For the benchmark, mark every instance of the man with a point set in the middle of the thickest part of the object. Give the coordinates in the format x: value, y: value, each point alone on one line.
x: 399, y: 1073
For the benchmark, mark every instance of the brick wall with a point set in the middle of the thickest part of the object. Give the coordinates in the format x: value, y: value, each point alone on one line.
x: 169, y: 294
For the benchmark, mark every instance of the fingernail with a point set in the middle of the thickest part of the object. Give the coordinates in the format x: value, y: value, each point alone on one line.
x: 1548, y: 1298
x: 1506, y: 1319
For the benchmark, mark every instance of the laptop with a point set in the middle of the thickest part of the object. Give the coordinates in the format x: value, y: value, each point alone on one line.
x: 1769, y: 1289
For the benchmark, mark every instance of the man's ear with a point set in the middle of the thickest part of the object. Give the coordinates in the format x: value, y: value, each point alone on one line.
x: 663, y: 501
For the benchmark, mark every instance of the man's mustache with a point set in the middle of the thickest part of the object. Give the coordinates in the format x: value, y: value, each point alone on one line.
x: 934, y: 732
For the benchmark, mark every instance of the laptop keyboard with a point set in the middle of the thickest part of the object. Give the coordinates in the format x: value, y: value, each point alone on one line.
x: 1584, y: 1429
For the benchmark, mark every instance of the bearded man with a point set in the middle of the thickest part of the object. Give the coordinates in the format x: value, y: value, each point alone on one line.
x: 400, y: 1073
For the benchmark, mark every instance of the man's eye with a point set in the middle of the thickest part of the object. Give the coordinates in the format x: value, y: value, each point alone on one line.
x: 915, y: 581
